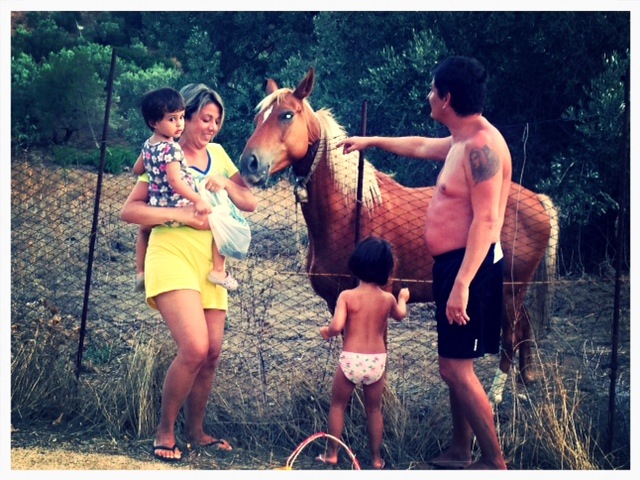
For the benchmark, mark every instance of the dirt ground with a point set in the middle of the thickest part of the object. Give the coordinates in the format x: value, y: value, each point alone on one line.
x: 46, y: 447
x: 67, y: 447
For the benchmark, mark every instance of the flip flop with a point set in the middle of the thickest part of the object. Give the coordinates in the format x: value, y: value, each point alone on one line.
x: 229, y: 282
x: 218, y: 443
x: 450, y: 464
x: 321, y: 458
x: 168, y: 449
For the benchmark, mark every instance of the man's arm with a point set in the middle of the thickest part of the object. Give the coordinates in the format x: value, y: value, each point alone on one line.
x: 411, y: 147
x: 483, y: 169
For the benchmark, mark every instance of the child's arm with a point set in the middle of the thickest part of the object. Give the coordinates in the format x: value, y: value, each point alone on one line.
x: 339, y: 319
x: 183, y: 189
x: 399, y: 308
x: 138, y: 167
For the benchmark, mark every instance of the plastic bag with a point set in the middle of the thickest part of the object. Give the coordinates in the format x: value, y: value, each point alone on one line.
x: 230, y: 229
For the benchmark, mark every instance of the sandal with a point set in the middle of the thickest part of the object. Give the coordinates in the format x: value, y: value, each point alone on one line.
x: 138, y: 285
x: 218, y: 443
x: 229, y: 282
x: 162, y: 458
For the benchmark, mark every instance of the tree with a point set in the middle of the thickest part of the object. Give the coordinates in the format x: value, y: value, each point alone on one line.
x: 538, y: 63
x: 585, y: 180
x: 23, y: 98
x: 71, y: 92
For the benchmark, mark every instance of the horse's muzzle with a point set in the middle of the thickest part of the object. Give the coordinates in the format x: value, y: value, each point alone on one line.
x: 252, y: 169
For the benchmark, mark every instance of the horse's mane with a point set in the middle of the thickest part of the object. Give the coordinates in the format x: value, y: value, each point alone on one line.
x: 343, y: 167
x: 273, y: 97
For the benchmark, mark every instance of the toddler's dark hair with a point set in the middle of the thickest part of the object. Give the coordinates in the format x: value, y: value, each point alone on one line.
x: 372, y: 261
x: 156, y: 103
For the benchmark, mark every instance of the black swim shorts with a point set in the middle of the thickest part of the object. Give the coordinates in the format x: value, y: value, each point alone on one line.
x: 481, y: 335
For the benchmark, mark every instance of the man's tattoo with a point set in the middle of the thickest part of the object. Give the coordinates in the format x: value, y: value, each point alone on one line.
x: 484, y: 164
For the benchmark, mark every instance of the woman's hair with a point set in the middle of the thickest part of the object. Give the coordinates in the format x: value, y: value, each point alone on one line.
x: 465, y: 79
x: 372, y: 261
x: 156, y: 103
x: 197, y: 96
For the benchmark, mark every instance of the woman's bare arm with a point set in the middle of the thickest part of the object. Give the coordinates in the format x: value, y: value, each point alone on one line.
x: 136, y: 210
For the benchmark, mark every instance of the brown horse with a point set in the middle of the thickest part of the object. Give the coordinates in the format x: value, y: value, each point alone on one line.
x: 289, y: 133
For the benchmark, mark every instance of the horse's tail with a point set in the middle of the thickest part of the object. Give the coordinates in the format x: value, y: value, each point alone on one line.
x: 551, y: 255
x: 545, y: 276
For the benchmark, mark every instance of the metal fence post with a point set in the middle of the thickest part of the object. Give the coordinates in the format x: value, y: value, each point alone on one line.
x: 96, y: 210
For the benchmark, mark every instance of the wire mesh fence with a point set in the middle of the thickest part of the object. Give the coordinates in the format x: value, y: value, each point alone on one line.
x: 272, y: 333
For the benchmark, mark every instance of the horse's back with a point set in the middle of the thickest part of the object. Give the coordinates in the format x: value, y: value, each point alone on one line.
x: 401, y: 221
x: 525, y: 233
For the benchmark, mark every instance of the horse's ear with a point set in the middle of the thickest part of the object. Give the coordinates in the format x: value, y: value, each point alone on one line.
x: 304, y: 88
x: 271, y: 86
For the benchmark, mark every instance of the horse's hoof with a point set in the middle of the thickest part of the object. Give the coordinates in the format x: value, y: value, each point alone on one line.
x: 527, y: 377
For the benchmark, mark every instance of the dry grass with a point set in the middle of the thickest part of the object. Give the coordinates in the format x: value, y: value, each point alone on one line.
x: 550, y: 426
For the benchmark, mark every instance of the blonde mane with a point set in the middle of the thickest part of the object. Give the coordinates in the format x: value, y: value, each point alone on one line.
x: 273, y: 97
x: 344, y: 167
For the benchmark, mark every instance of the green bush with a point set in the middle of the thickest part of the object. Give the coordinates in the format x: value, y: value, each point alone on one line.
x: 65, y: 156
x: 116, y: 158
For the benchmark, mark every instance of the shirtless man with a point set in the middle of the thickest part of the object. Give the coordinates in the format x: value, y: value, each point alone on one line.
x: 462, y: 233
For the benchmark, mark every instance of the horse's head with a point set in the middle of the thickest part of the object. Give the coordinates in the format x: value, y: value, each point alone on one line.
x: 285, y: 127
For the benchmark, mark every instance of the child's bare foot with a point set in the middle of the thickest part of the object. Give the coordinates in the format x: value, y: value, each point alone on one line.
x: 323, y: 458
x: 222, y: 278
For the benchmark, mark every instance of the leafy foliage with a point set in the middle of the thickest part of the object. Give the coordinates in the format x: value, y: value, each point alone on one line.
x: 538, y: 63
x: 586, y: 181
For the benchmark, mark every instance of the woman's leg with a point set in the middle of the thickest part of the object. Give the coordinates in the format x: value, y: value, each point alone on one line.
x: 196, y: 403
x: 183, y: 314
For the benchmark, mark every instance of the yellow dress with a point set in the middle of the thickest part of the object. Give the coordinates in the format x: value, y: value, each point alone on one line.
x: 179, y: 258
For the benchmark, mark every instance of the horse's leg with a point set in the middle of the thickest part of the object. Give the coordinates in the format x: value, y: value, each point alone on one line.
x: 508, y: 323
x: 524, y: 345
x: 506, y: 359
x: 517, y: 337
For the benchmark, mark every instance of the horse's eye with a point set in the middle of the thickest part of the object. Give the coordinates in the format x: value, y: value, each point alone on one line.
x: 287, y: 116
